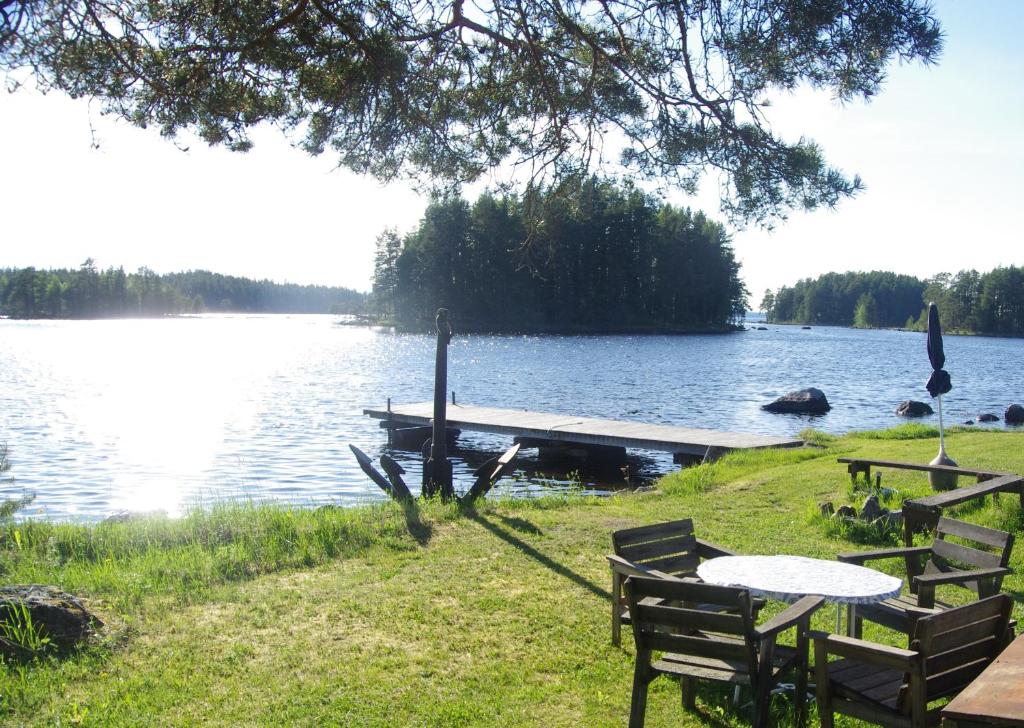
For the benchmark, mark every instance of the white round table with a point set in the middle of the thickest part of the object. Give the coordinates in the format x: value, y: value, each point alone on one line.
x: 788, y: 578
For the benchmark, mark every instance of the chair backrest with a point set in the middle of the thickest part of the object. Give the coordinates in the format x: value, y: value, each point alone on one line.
x: 956, y: 645
x: 669, y: 547
x: 666, y: 618
x: 984, y: 548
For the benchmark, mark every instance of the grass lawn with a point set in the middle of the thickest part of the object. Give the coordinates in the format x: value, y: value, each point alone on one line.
x: 249, y: 615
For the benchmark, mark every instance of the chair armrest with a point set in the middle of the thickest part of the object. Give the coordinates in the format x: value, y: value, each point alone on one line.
x: 790, y: 617
x: 957, y: 577
x: 708, y: 550
x: 864, y: 651
x: 627, y: 568
x: 859, y: 557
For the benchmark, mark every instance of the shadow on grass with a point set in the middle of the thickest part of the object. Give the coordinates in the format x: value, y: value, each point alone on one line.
x: 520, y: 524
x: 417, y: 528
x: 533, y: 553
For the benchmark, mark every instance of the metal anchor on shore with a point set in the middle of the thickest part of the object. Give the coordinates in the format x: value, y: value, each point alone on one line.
x: 437, y: 469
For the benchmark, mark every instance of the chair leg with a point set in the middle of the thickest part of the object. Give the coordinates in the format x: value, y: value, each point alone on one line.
x: 800, y: 696
x: 762, y: 699
x: 641, y: 681
x: 616, y: 609
x: 688, y: 688
x: 821, y: 691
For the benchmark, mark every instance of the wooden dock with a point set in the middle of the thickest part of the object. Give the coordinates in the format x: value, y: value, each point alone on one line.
x: 532, y: 427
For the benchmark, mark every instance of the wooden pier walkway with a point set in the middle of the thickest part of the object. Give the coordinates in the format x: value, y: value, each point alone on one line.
x: 527, y: 426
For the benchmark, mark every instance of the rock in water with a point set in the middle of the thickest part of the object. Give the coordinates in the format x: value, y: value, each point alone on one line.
x: 1014, y: 415
x: 810, y: 401
x: 55, y: 614
x: 988, y: 417
x: 913, y: 408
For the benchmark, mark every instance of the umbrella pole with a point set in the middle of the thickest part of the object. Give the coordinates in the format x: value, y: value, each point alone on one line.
x: 942, y: 439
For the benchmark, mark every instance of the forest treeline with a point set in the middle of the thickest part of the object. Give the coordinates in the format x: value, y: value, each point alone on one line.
x: 969, y: 301
x: 87, y: 292
x: 601, y: 259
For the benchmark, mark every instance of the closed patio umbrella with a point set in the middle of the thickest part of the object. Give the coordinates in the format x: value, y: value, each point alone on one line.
x: 938, y: 384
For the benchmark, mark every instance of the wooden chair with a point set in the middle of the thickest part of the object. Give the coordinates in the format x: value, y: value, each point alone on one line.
x: 662, y: 549
x: 892, y: 686
x: 721, y: 645
x: 985, y: 561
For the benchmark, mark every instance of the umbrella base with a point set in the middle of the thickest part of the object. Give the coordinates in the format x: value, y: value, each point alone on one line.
x: 942, y: 481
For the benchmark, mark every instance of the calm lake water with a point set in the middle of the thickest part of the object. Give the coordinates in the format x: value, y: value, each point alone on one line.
x: 105, y: 416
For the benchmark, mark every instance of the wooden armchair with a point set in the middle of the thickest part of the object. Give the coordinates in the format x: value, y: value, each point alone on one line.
x: 663, y: 549
x: 944, y: 561
x: 720, y: 644
x: 892, y: 686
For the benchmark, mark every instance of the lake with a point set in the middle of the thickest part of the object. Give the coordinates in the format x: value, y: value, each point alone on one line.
x: 106, y: 416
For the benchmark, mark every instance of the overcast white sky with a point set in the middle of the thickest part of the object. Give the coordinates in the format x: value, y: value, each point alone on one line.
x: 940, y: 152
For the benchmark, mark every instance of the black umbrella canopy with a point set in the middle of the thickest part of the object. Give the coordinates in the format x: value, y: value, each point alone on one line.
x: 938, y: 382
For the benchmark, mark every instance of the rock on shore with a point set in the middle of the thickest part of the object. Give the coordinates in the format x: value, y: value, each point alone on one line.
x: 55, y: 614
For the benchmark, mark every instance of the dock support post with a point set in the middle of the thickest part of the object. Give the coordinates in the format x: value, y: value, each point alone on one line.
x: 437, y: 471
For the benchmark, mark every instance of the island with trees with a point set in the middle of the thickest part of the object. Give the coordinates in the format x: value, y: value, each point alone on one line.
x: 969, y: 301
x: 605, y: 258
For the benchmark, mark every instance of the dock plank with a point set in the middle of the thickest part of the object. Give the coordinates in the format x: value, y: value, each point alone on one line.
x: 583, y: 430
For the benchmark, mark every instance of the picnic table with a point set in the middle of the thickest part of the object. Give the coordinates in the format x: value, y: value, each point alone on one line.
x: 995, y: 697
x: 924, y: 513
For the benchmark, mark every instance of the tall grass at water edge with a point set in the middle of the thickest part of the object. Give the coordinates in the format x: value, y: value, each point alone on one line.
x: 124, y: 562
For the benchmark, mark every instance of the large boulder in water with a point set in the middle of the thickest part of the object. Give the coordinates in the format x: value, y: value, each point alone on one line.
x: 1014, y: 415
x: 913, y: 408
x: 55, y: 615
x: 810, y: 401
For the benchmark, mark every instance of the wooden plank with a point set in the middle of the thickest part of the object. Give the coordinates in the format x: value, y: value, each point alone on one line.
x: 666, y: 615
x: 654, y: 549
x: 584, y: 430
x: 960, y: 554
x: 652, y: 532
x: 677, y: 564
x: 700, y: 646
x: 974, y: 532
x: 1009, y: 482
x: 864, y: 463
x: 982, y: 649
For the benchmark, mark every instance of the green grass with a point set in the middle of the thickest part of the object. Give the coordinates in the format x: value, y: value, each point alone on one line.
x: 426, y: 616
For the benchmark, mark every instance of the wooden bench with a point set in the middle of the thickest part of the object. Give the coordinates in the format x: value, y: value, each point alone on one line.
x: 864, y: 465
x: 919, y: 513
x: 922, y: 513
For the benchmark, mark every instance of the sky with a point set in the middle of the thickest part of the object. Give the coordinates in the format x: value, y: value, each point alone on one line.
x: 939, y: 150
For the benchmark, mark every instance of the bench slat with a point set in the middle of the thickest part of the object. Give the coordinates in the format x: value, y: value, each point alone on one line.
x: 970, y: 492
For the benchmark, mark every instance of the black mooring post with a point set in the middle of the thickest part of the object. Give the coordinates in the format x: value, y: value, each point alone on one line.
x: 437, y: 471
